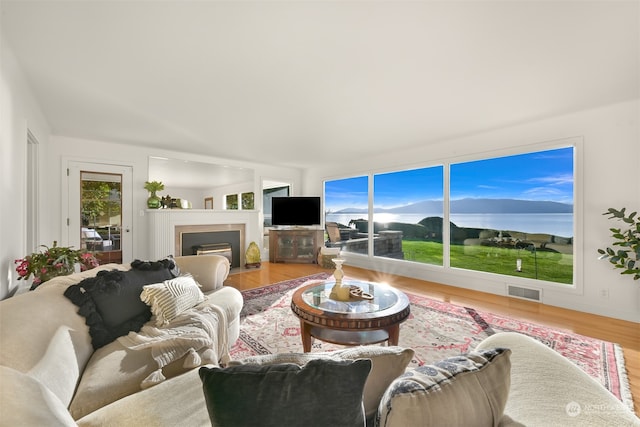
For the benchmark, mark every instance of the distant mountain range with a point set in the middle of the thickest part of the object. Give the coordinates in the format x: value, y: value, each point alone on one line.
x: 474, y: 206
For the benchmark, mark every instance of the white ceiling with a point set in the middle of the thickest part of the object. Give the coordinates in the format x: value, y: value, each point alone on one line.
x: 297, y: 83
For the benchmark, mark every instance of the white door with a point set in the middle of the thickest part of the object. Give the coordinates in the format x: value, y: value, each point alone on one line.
x: 100, y: 214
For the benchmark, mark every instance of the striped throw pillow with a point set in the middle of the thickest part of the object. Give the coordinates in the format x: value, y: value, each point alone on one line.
x: 172, y: 297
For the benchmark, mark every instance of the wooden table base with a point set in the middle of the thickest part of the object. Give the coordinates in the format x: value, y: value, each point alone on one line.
x: 390, y: 334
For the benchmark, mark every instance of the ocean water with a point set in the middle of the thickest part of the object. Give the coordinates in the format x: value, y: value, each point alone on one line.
x: 560, y: 224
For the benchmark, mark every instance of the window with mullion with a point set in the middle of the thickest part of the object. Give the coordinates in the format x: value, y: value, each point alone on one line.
x: 407, y: 213
x: 513, y: 215
x: 346, y: 203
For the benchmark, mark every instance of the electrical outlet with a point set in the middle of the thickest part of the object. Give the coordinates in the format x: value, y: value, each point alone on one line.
x: 604, y: 293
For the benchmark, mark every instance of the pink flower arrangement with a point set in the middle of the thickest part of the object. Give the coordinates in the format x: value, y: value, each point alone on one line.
x: 52, y: 262
x: 88, y: 261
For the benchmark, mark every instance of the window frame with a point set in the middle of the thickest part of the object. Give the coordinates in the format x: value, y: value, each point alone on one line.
x: 473, y: 279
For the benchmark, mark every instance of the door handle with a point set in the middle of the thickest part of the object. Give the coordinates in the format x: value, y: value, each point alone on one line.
x: 126, y: 230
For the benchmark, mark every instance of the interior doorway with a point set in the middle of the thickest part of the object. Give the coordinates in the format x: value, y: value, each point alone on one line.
x: 100, y: 211
x: 271, y: 189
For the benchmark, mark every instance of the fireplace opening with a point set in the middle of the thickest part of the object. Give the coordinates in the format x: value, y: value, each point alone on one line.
x: 225, y: 243
x: 223, y: 249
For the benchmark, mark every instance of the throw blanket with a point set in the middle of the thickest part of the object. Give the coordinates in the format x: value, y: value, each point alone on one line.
x: 200, y: 332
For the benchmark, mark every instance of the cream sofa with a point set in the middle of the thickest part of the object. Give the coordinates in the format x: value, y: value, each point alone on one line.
x: 50, y: 373
x: 47, y: 366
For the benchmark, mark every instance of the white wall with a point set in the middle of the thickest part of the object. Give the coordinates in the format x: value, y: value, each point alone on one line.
x: 63, y: 149
x: 610, y: 161
x: 610, y: 157
x: 194, y: 195
x: 219, y: 194
x: 197, y: 195
x: 19, y: 113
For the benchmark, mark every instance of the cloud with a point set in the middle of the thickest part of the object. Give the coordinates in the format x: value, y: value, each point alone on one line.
x: 555, y: 180
x: 548, y: 193
x: 555, y: 154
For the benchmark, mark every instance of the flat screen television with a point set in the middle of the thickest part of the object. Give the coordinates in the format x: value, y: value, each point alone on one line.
x: 295, y: 210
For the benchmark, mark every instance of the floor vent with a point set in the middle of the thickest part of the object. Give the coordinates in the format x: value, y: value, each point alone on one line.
x: 524, y: 293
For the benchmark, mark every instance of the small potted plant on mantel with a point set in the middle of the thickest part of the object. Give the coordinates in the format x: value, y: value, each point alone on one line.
x: 153, y: 202
x: 627, y: 254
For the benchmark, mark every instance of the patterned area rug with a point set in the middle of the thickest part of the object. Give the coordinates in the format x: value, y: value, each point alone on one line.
x: 435, y: 330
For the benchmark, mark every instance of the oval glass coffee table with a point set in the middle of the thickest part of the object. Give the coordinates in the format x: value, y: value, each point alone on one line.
x: 353, y: 322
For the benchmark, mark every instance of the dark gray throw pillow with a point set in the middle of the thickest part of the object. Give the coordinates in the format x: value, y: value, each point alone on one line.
x: 321, y: 393
x: 110, y: 302
x: 123, y: 302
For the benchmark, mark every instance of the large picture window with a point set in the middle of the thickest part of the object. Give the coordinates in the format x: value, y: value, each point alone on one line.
x: 346, y: 204
x: 407, y: 213
x: 510, y: 215
x: 513, y: 215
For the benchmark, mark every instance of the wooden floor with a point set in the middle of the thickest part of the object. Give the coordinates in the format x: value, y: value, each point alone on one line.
x: 627, y: 334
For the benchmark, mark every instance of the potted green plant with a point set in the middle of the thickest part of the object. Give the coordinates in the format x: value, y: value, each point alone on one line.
x: 153, y: 202
x: 52, y: 262
x: 627, y: 254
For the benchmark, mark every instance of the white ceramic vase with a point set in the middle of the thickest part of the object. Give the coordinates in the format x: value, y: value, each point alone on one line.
x: 339, y: 291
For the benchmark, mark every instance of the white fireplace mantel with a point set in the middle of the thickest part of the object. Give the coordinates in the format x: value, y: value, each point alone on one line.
x: 162, y: 224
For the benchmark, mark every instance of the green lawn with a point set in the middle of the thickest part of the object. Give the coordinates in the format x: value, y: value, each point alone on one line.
x: 551, y: 266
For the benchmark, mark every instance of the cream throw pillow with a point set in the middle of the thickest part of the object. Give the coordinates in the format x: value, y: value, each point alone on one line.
x: 172, y: 297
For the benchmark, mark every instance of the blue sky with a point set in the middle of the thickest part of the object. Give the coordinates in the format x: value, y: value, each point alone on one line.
x: 543, y: 175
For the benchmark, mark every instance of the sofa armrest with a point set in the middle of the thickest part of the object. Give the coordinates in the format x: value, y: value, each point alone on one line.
x: 209, y: 270
x: 548, y: 389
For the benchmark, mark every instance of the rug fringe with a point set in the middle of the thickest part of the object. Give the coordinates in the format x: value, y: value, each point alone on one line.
x: 259, y: 302
x: 625, y: 388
